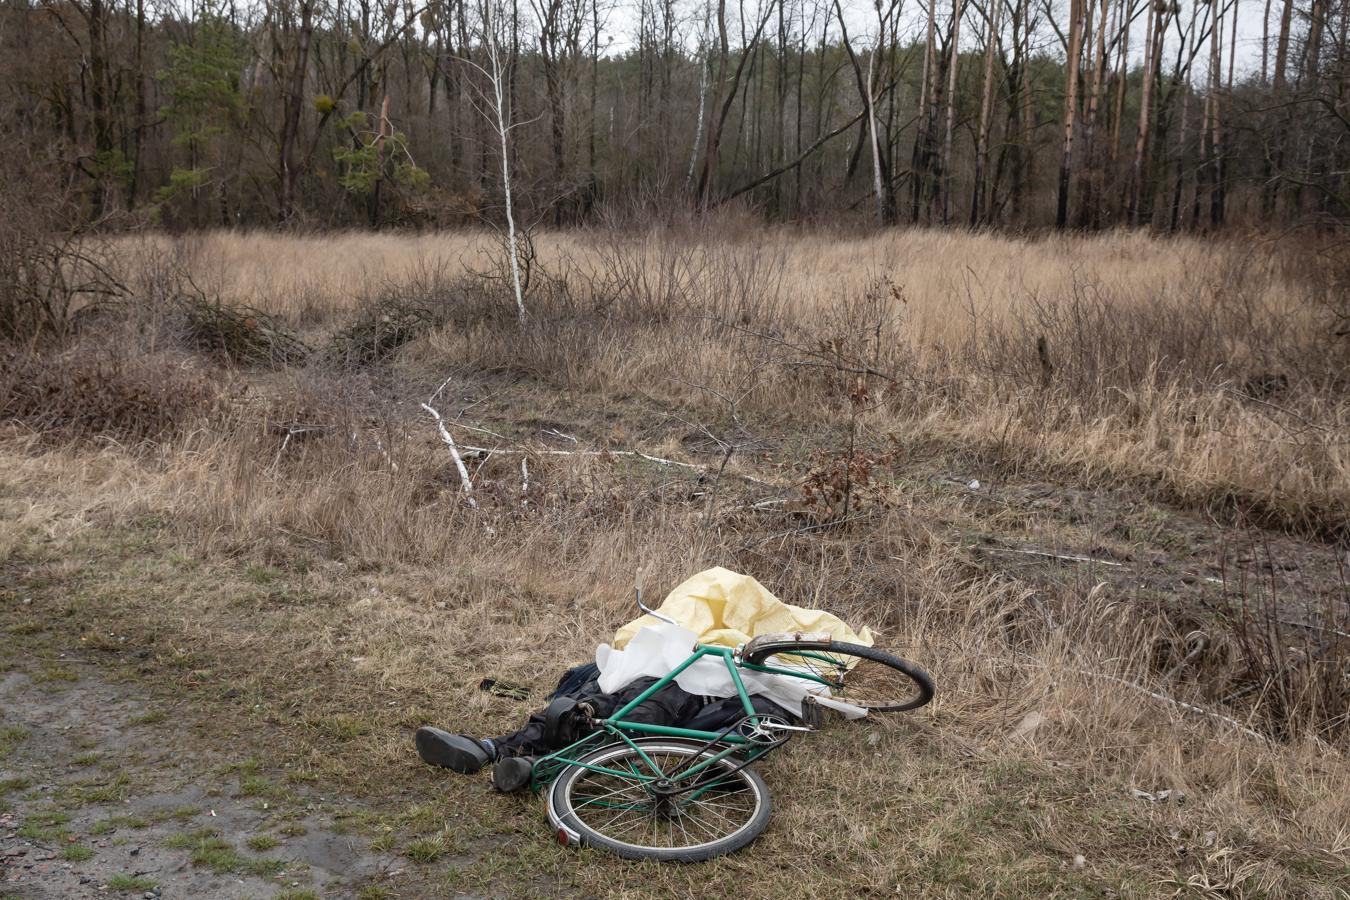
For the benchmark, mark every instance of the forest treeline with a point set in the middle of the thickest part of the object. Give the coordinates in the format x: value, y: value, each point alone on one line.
x: 991, y: 113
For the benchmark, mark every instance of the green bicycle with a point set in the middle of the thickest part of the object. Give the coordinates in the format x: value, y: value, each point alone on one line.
x: 647, y: 791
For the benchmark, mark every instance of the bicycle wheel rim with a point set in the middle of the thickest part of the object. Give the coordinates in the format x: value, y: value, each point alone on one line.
x: 862, y: 676
x: 725, y: 811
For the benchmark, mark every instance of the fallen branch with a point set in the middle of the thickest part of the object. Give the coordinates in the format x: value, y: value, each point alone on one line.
x: 454, y: 452
x: 1311, y: 627
x: 1180, y: 704
x: 477, y: 429
x: 807, y: 529
x: 1046, y: 553
x: 637, y: 454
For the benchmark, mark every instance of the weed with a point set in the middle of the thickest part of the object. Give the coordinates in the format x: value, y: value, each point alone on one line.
x: 77, y: 852
x: 53, y: 673
x: 262, y: 786
x: 113, y: 790
x: 128, y: 883
x: 263, y: 868
x: 10, y: 737
x: 216, y: 854
x: 45, y: 825
x: 426, y: 850
x: 342, y: 727
x: 262, y: 842
x: 261, y: 575
x: 150, y: 717
x: 384, y: 843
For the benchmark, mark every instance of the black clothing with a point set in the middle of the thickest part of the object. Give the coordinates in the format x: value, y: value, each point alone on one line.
x: 671, y: 705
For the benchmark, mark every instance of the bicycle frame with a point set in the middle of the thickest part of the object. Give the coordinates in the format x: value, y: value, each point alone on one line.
x: 547, y: 768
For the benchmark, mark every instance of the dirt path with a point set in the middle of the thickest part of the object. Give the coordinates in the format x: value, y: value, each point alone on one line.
x: 100, y: 796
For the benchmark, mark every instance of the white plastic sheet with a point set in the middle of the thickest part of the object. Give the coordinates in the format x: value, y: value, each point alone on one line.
x: 657, y: 650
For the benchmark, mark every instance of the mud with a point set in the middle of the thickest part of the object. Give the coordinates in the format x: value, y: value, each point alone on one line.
x: 90, y: 766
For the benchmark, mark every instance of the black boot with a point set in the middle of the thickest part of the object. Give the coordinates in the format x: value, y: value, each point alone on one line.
x: 458, y: 752
x: 512, y: 773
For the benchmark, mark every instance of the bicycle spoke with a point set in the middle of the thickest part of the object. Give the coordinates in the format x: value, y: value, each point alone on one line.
x: 633, y: 812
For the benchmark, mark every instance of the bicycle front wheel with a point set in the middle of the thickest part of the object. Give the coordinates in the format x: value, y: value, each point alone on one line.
x: 863, y: 676
x: 646, y: 809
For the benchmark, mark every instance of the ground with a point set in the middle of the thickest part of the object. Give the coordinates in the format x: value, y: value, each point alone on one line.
x: 107, y: 792
x: 1104, y: 504
x: 164, y: 742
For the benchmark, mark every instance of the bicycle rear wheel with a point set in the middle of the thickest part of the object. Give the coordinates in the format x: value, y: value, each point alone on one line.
x: 642, y: 810
x: 864, y: 676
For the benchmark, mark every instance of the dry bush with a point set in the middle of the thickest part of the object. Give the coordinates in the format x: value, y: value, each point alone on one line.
x: 84, y: 393
x: 235, y: 334
x: 49, y: 265
x: 398, y: 313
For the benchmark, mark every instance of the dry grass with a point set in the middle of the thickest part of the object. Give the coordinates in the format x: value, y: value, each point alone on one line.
x: 1207, y: 370
x: 334, y: 579
x: 318, y: 611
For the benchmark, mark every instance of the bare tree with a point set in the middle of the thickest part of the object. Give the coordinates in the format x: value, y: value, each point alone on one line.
x: 497, y: 110
x: 1075, y: 52
x: 992, y: 11
x: 955, y: 40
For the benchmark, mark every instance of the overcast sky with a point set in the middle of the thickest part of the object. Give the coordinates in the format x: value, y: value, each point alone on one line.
x: 861, y: 19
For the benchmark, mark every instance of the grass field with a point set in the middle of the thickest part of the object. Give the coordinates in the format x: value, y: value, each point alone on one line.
x: 1097, y: 486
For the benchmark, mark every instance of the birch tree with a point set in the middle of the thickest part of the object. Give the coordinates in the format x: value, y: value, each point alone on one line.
x: 955, y: 39
x: 496, y: 109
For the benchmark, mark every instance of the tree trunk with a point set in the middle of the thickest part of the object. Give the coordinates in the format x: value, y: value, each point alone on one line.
x: 1213, y: 125
x: 865, y: 92
x: 991, y: 38
x: 921, y: 161
x: 951, y: 108
x: 293, y: 108
x: 1091, y: 174
x: 1070, y: 110
x: 1156, y: 25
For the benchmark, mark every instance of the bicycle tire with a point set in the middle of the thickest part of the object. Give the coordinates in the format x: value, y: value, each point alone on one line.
x: 563, y: 812
x: 789, y: 647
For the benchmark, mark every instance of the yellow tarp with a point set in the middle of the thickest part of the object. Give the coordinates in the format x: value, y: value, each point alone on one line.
x: 727, y: 609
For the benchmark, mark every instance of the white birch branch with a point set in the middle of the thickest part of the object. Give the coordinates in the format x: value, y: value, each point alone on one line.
x: 1047, y: 554
x: 454, y: 452
x: 1180, y: 704
x: 638, y: 454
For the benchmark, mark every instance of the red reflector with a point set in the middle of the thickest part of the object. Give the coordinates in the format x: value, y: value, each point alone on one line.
x: 562, y: 836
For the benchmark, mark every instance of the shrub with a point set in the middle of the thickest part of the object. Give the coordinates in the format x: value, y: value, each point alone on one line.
x: 380, y: 330
x: 238, y: 334
x: 84, y: 394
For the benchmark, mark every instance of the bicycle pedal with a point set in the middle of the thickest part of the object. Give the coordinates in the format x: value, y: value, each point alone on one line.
x: 813, y: 716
